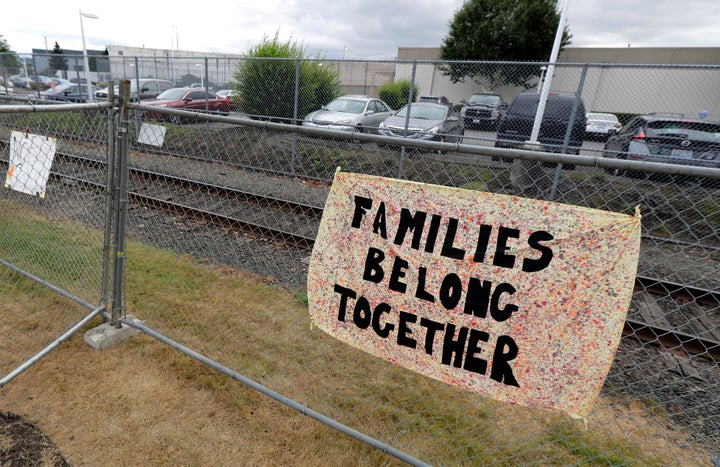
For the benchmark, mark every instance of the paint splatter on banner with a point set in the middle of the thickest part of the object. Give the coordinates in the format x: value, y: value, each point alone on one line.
x: 516, y: 299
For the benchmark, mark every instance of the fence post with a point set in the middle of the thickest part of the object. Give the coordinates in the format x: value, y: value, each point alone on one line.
x: 109, y: 198
x: 365, y: 78
x: 407, y: 117
x: 296, y: 105
x: 121, y: 205
x: 568, y: 130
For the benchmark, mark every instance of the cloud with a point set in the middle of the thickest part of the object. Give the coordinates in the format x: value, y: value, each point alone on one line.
x: 351, y: 28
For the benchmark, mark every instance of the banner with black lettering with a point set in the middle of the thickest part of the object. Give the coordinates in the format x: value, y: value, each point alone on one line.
x: 516, y: 299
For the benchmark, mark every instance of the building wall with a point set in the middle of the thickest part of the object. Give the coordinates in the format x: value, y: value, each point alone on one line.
x: 619, y: 80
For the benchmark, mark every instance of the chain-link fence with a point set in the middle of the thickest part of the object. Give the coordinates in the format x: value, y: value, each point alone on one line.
x: 224, y: 207
x: 51, y: 238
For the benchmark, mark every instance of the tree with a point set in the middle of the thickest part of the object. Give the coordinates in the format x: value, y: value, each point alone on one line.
x: 58, y: 61
x: 266, y: 80
x: 8, y: 58
x: 493, y: 31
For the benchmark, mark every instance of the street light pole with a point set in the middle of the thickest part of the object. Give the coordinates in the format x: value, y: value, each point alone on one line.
x: 86, y: 63
x: 202, y: 74
x: 549, y: 73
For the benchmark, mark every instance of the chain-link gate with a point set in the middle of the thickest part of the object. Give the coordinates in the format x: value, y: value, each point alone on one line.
x: 223, y: 210
x: 54, y: 241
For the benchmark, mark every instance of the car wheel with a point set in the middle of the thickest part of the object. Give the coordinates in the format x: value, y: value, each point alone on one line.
x: 441, y: 151
x: 634, y: 174
x: 504, y: 159
x: 175, y: 120
x: 614, y: 172
x: 709, y: 183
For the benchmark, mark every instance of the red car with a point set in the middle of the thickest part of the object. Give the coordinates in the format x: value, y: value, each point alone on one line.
x: 192, y: 99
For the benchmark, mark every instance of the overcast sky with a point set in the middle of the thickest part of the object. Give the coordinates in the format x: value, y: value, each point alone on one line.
x: 336, y: 29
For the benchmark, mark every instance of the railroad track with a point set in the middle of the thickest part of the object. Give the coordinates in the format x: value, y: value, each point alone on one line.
x: 295, y: 224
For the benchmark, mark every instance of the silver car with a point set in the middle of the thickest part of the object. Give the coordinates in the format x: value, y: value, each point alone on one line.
x: 427, y: 121
x: 350, y: 113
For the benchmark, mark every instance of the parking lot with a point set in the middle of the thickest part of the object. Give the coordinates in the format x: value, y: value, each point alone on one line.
x: 487, y: 138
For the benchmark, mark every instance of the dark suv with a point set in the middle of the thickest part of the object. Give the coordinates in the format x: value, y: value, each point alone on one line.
x: 671, y: 139
x: 483, y: 110
x: 149, y: 89
x: 516, y: 126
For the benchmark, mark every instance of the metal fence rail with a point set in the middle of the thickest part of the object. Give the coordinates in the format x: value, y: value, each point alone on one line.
x: 222, y: 211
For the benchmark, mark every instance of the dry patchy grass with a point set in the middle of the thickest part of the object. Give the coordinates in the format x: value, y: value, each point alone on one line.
x: 143, y: 403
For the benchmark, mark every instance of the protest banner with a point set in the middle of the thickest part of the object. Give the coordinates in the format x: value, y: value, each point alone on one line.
x: 516, y: 299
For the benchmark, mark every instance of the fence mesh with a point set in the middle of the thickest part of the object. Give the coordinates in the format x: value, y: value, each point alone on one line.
x: 223, y: 211
x: 54, y: 234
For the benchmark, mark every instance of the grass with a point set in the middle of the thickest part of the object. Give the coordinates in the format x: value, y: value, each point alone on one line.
x: 175, y: 410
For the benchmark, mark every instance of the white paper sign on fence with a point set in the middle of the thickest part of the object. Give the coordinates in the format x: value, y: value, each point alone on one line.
x: 31, y: 157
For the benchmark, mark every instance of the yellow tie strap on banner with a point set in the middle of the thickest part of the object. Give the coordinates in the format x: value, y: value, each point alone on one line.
x: 518, y: 300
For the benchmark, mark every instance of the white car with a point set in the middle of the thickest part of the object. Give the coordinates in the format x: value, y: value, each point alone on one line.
x: 229, y: 93
x: 6, y: 88
x: 601, y: 125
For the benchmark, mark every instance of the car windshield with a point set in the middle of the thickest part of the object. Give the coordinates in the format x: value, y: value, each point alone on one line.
x: 424, y: 112
x: 350, y: 106
x: 171, y: 95
x: 698, y: 131
x: 483, y: 99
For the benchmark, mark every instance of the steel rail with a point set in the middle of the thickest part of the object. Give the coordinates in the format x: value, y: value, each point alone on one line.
x: 667, y: 338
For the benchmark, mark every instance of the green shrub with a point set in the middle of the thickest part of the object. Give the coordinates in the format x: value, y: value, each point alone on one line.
x: 266, y: 81
x: 395, y: 93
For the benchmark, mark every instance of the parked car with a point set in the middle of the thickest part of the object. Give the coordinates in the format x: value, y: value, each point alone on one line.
x: 21, y: 81
x: 428, y: 121
x: 59, y: 81
x: 67, y: 93
x: 227, y: 93
x: 193, y: 99
x: 150, y: 88
x: 348, y: 113
x: 233, y: 96
x: 77, y: 80
x: 6, y: 87
x: 601, y: 125
x: 671, y: 139
x: 436, y: 99
x: 40, y: 82
x: 483, y: 110
x: 515, y: 128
